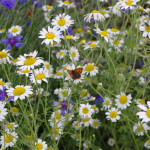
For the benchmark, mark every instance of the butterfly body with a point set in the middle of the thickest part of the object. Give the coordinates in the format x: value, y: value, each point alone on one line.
x: 76, y: 73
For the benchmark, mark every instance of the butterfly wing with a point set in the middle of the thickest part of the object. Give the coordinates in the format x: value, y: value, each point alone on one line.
x: 78, y: 70
x: 70, y: 72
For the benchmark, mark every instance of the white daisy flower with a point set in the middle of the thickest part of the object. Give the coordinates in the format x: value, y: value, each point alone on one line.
x: 9, y: 139
x: 90, y: 69
x: 14, y: 61
x: 95, y: 108
x: 85, y: 110
x: 147, y: 144
x: 79, y: 32
x: 74, y: 74
x: 15, y: 30
x: 11, y: 126
x: 86, y: 121
x: 77, y: 125
x: 74, y: 54
x: 123, y: 101
x: 105, y: 13
x: 53, y: 34
x: 117, y: 43
x: 57, y: 91
x: 141, y: 80
x: 62, y: 22
x: 111, y: 142
x: 2, y: 30
x: 145, y: 113
x: 59, y: 74
x: 39, y: 75
x: 40, y: 145
x: 3, y: 111
x: 5, y: 57
x: 139, y: 129
x: 61, y: 54
x: 129, y: 4
x: 20, y: 92
x: 47, y: 8
x: 95, y: 123
x: 107, y: 103
x: 47, y: 16
x: 92, y: 45
x: 113, y: 31
x: 48, y: 67
x: 146, y: 29
x: 2, y: 83
x: 24, y: 72
x: 94, y: 14
x: 71, y: 37
x: 29, y: 61
x: 84, y: 94
x: 113, y: 114
x: 65, y: 3
x: 116, y: 10
x: 140, y: 101
x: 39, y: 91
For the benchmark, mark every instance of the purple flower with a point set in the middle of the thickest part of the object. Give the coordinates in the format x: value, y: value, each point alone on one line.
x: 9, y: 4
x: 12, y: 41
x: 69, y: 32
x: 23, y: 1
x: 64, y: 106
x: 98, y: 99
x: 4, y: 96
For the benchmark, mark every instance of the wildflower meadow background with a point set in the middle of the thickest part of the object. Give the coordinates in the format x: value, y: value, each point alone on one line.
x: 74, y: 74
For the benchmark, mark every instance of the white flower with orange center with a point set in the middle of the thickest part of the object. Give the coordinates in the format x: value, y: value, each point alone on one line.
x: 79, y: 32
x: 47, y: 8
x: 144, y: 114
x: 91, y: 45
x: 20, y: 92
x: 62, y: 22
x: 3, y: 111
x: 113, y: 114
x: 128, y: 4
x: 15, y: 30
x: 85, y: 110
x: 39, y: 75
x: 104, y: 34
x: 74, y: 54
x: 65, y: 3
x: 40, y: 145
x: 111, y: 142
x: 123, y: 101
x: 29, y: 61
x: 91, y: 69
x: 61, y: 54
x: 94, y: 14
x: 95, y: 123
x: 146, y: 29
x: 50, y: 36
x: 14, y: 61
x: 5, y: 57
x: 9, y: 139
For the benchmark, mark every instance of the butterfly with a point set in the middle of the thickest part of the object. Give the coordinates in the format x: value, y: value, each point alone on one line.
x: 76, y: 73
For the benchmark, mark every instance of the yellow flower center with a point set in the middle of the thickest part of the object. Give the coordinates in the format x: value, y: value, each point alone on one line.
x: 123, y: 99
x: 2, y: 30
x: 104, y: 33
x: 85, y: 110
x: 94, y: 11
x: 30, y: 138
x: 50, y: 35
x: 58, y: 116
x: 26, y: 71
x: 57, y: 131
x: 77, y: 125
x: 113, y: 114
x: 19, y: 91
x: 9, y: 126
x: 65, y: 93
x: 39, y: 146
x: 92, y: 45
x: 116, y: 42
x: 148, y: 141
x: 69, y: 37
x: 58, y: 73
x: 140, y: 128
x: 47, y: 66
x: 82, y: 41
x: 48, y: 7
x: 61, y: 22
x: 3, y: 55
x: 15, y: 60
x: 48, y: 16
x: 29, y: 61
x: 114, y: 30
x: 66, y: 2
x: 86, y: 119
x: 148, y: 113
x: 95, y: 123
x: 2, y: 83
x: 107, y: 102
x: 84, y: 93
x: 79, y: 30
x: 61, y: 53
x: 103, y: 12
x: 73, y: 54
x: 129, y: 2
x: 14, y: 109
x: 40, y: 76
x: 89, y: 67
x: 77, y: 135
x: 14, y: 30
x: 9, y: 138
x: 141, y: 101
x: 147, y: 28
x: 94, y: 108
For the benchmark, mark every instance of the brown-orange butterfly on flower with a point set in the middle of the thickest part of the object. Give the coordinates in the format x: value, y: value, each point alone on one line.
x: 76, y: 73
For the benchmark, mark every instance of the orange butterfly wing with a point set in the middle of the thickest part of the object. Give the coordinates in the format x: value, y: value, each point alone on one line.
x: 78, y: 70
x: 70, y: 72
